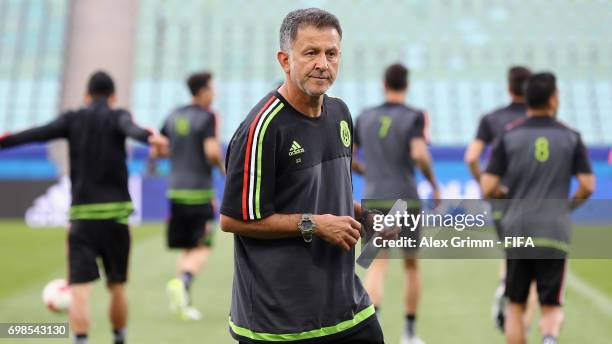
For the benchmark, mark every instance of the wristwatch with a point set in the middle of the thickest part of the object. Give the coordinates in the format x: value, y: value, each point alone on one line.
x: 307, y: 227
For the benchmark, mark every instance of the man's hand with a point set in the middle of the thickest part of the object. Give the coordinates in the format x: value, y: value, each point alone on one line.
x: 159, y: 144
x: 436, y: 196
x: 342, y: 231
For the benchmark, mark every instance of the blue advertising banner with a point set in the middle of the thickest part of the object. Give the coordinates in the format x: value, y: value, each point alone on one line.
x: 31, y: 163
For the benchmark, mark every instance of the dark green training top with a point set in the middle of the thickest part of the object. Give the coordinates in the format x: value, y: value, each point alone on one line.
x: 537, y: 157
x: 98, y: 172
x: 191, y: 174
x: 281, y: 161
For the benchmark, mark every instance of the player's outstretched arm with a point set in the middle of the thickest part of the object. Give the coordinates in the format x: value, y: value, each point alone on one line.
x: 472, y: 157
x: 130, y: 129
x: 342, y: 231
x: 55, y: 130
x: 586, y: 187
x: 212, y: 150
x: 420, y: 154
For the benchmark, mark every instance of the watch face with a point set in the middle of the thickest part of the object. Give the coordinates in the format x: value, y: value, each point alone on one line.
x: 307, y: 225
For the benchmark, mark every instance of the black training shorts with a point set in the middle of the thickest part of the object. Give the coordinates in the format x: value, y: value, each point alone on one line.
x: 187, y: 225
x: 549, y: 275
x: 89, y: 240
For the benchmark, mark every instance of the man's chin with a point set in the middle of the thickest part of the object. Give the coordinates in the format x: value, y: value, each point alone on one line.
x: 316, y: 91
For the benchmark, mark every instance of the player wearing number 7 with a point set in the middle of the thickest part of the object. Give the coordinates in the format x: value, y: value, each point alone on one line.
x: 537, y: 157
x: 392, y: 138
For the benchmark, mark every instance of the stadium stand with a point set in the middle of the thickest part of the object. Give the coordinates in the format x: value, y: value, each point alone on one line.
x: 458, y: 53
x: 32, y: 36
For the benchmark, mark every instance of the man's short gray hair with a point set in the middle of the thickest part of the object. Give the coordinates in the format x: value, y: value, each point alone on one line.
x: 303, y: 17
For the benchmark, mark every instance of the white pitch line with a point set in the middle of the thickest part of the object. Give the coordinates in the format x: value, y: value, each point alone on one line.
x: 600, y: 300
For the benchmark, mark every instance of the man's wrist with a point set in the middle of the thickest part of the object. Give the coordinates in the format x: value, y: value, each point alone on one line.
x: 307, y: 226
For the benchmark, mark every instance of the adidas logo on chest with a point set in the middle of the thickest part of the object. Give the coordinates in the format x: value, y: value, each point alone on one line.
x: 295, y: 149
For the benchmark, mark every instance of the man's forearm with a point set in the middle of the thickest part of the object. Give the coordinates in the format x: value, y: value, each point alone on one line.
x: 218, y: 162
x: 475, y: 170
x: 579, y: 197
x: 38, y: 134
x: 425, y: 166
x: 275, y: 226
x: 472, y: 158
x: 357, y: 167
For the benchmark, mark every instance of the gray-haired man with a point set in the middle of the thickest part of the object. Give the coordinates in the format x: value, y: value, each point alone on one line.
x: 288, y: 200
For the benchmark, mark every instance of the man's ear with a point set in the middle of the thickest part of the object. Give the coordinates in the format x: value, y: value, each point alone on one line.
x: 87, y: 99
x: 553, y: 103
x: 283, y: 60
x: 112, y: 99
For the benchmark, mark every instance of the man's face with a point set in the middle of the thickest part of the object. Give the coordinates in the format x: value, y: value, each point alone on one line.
x: 313, y: 60
x: 206, y: 95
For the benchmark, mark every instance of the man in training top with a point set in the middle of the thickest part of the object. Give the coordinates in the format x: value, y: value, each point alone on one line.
x: 392, y: 138
x: 194, y: 151
x: 537, y: 157
x: 490, y: 128
x: 288, y: 201
x: 101, y: 203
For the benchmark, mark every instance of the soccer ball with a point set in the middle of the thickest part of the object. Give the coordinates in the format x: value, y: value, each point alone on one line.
x: 56, y: 295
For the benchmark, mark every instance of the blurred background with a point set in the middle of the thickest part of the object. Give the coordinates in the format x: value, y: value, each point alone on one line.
x: 458, y: 53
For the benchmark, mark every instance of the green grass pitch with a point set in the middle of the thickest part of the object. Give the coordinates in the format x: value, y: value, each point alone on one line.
x: 455, y: 308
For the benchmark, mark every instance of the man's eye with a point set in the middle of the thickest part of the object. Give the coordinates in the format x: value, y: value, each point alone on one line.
x: 310, y: 53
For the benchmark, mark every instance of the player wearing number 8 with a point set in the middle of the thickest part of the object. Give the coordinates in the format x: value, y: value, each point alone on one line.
x: 537, y: 157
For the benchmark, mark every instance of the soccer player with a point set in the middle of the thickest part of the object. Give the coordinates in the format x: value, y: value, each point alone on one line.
x: 288, y: 201
x: 392, y: 138
x: 100, y: 200
x: 537, y: 158
x: 490, y: 128
x: 194, y: 150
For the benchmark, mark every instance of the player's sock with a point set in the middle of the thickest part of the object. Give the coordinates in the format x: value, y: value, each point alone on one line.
x: 187, y: 278
x: 80, y: 338
x: 410, y: 322
x: 549, y: 339
x: 119, y: 336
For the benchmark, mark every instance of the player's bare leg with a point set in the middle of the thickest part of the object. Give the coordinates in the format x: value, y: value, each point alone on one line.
x: 412, y: 287
x: 374, y: 282
x: 118, y: 311
x: 79, y: 309
x: 412, y: 296
x: 499, y: 304
x: 550, y: 323
x: 193, y: 260
x: 532, y: 306
x: 502, y: 271
x: 514, y: 326
x: 189, y: 264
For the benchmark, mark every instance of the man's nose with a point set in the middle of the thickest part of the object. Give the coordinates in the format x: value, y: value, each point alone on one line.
x: 321, y: 63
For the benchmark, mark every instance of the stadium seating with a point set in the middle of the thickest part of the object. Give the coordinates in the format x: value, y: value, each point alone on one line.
x: 32, y: 39
x: 458, y: 52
